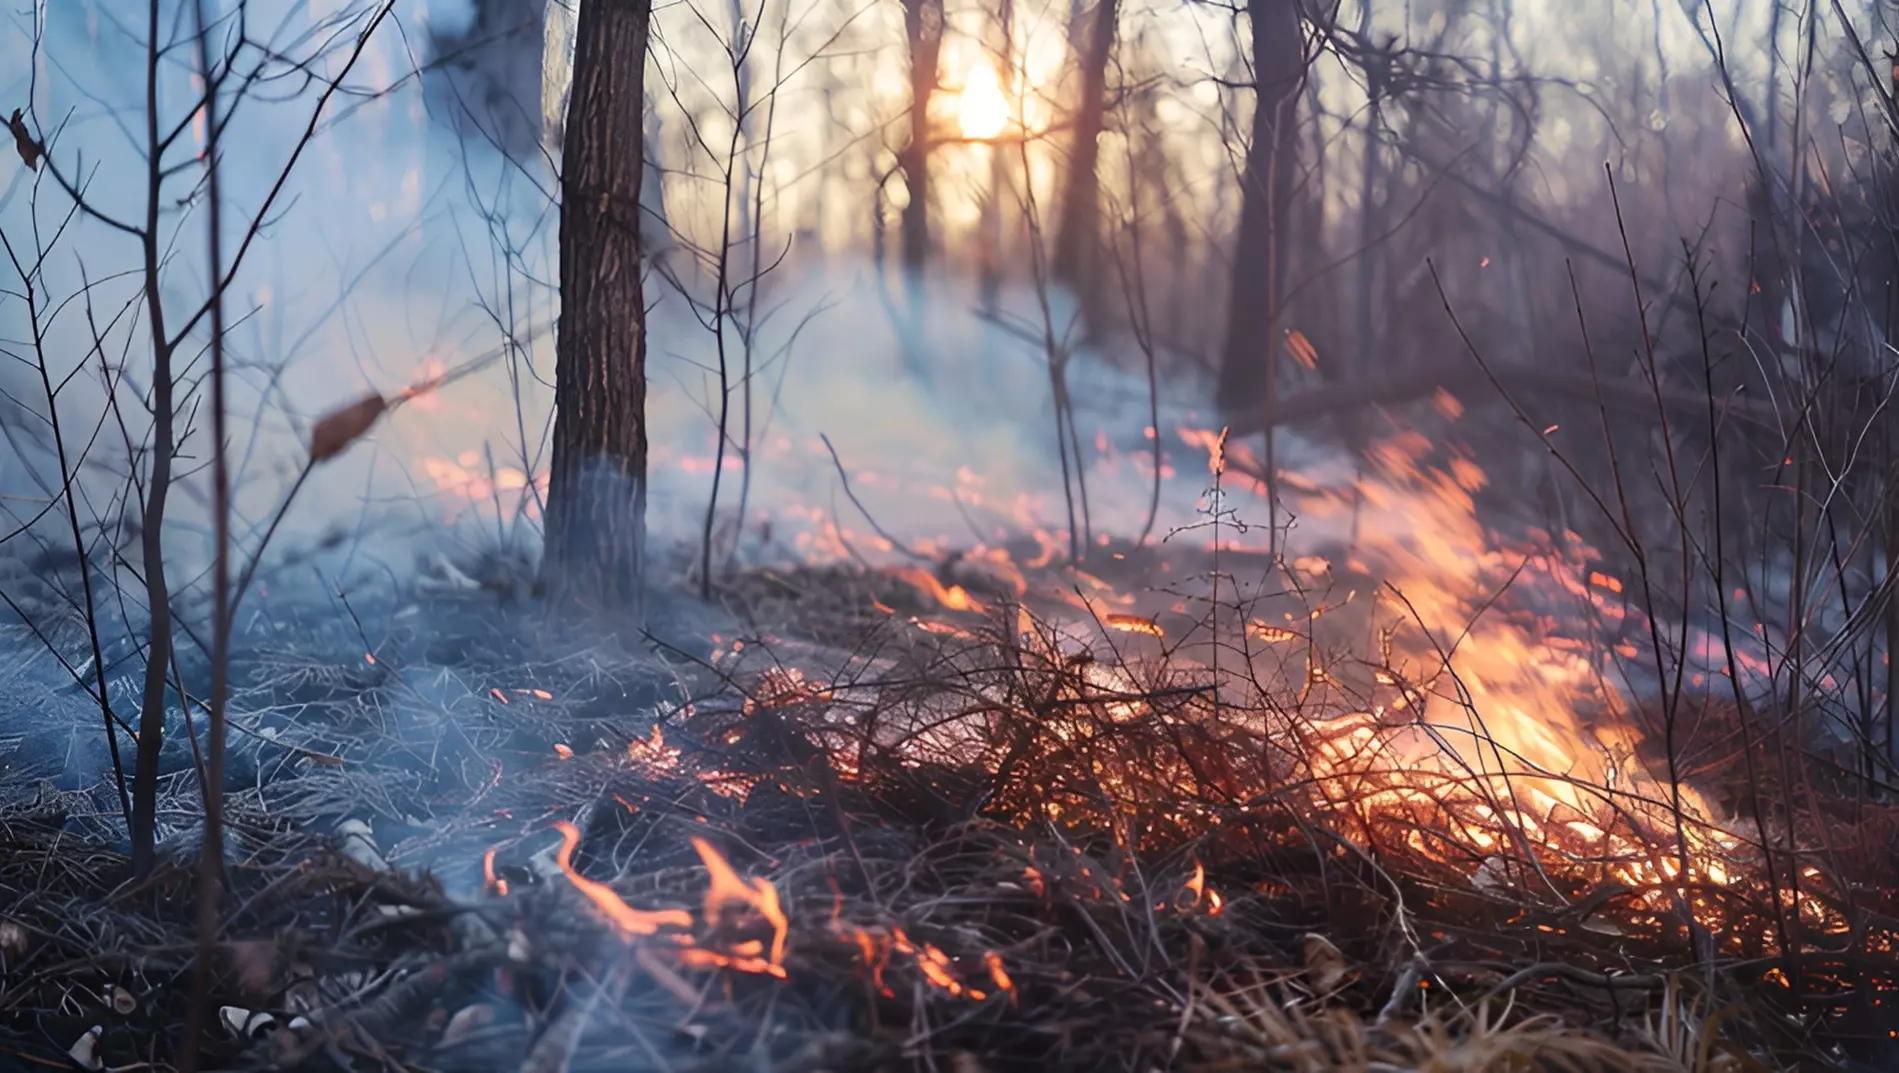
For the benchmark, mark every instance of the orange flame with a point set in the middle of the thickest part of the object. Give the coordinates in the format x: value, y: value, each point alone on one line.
x: 951, y: 597
x: 1269, y: 633
x: 625, y: 919
x: 1202, y: 894
x: 727, y: 889
x: 490, y: 881
x: 1133, y: 624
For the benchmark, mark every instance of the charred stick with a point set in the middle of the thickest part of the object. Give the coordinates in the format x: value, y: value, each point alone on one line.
x: 861, y: 509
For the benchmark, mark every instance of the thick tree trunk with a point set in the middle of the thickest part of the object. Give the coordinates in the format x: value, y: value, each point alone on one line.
x: 1266, y: 185
x: 596, y: 499
x: 923, y: 25
x: 1077, y: 259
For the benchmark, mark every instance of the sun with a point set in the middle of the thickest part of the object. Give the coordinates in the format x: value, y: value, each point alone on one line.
x: 981, y: 109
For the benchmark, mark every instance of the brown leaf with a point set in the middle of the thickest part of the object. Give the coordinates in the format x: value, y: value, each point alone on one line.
x: 1323, y: 961
x: 23, y: 140
x: 1302, y: 349
x: 339, y: 428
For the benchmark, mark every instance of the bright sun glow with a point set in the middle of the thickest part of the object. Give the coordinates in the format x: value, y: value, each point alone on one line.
x: 981, y: 109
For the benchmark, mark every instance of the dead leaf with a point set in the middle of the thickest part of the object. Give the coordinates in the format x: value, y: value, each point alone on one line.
x: 339, y: 428
x: 467, y: 1021
x: 85, y: 1050
x: 1324, y: 963
x: 1301, y: 349
x: 23, y: 140
x: 123, y: 1002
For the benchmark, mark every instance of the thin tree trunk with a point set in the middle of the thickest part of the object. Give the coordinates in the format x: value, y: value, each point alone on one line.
x: 151, y: 723
x: 1266, y: 185
x: 990, y: 224
x: 923, y: 25
x: 1077, y: 258
x: 596, y: 504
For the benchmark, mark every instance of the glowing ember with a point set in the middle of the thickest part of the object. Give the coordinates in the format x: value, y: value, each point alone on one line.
x: 652, y: 753
x: 1269, y: 633
x: 999, y: 974
x: 782, y: 687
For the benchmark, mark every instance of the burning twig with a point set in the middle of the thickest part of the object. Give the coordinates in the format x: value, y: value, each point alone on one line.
x: 336, y: 430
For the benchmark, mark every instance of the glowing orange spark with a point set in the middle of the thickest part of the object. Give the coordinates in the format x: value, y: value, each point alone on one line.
x: 563, y: 751
x: 627, y: 920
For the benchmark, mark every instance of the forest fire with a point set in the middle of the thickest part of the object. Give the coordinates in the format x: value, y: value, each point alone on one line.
x: 1116, y: 536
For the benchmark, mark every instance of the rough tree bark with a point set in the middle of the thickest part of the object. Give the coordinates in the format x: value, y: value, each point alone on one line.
x: 1077, y: 257
x: 1266, y: 186
x: 923, y: 25
x: 596, y: 498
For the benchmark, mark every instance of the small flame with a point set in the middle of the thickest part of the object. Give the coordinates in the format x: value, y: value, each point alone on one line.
x: 1133, y: 624
x: 490, y: 881
x: 625, y: 919
x: 1202, y: 894
x: 563, y: 751
x: 727, y: 889
x: 951, y: 597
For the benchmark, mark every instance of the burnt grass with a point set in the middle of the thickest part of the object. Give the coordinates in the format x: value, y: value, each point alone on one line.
x: 1053, y: 895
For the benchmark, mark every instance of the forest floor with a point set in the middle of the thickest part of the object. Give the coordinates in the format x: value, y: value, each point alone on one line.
x: 844, y: 828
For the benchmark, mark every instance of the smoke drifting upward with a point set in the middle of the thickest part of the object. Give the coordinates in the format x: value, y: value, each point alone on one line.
x: 416, y: 232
